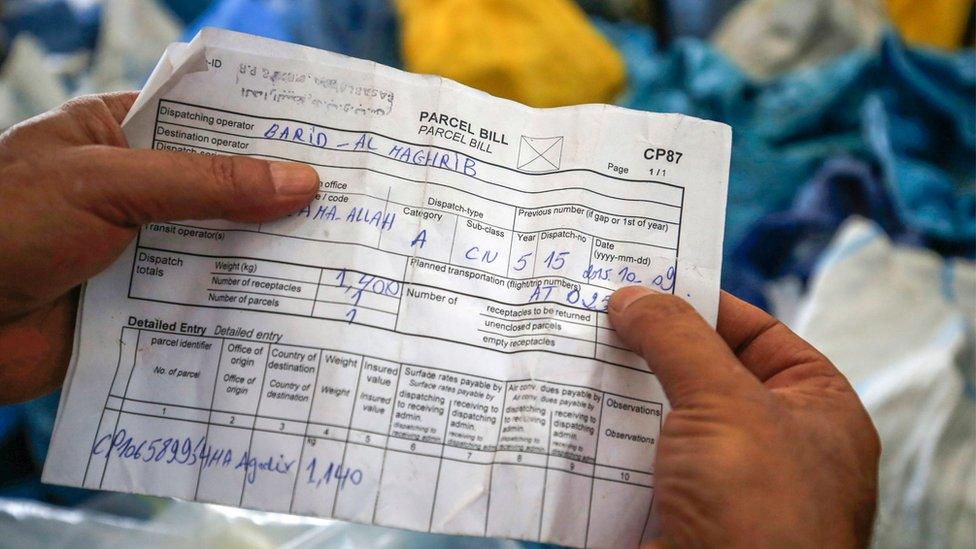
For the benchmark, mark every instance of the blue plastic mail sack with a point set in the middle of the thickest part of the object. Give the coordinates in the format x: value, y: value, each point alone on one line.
x: 906, y: 114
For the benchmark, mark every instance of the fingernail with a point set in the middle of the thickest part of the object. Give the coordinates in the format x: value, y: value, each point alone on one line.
x: 624, y: 297
x: 292, y: 179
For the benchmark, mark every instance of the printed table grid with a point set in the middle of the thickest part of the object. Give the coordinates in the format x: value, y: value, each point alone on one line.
x: 318, y: 435
x: 297, y: 422
x: 375, y: 299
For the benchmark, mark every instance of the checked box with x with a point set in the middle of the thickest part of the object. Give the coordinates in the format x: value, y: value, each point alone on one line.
x: 540, y: 154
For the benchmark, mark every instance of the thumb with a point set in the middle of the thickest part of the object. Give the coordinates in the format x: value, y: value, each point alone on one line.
x: 135, y: 187
x: 690, y: 359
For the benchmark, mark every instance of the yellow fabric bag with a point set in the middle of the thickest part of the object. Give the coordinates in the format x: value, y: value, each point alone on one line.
x: 939, y: 23
x: 543, y: 53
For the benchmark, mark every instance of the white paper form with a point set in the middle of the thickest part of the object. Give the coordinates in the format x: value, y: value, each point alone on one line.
x: 425, y: 346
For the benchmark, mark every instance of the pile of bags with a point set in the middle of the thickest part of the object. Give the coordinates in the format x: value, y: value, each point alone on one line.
x: 852, y: 195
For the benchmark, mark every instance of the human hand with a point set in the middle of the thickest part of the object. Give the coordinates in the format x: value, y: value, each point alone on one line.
x: 767, y: 445
x: 73, y: 196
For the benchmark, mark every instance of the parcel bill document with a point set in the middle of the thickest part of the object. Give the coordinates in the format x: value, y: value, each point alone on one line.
x: 426, y: 344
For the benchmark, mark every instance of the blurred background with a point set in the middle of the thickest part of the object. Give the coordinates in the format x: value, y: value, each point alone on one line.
x: 851, y: 213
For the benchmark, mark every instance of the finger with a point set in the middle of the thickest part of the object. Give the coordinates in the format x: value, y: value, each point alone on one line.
x: 689, y: 358
x: 135, y: 187
x: 88, y: 119
x: 119, y: 103
x: 766, y: 346
x: 116, y: 103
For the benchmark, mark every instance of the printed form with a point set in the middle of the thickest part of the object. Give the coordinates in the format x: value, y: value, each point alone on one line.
x: 425, y: 346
